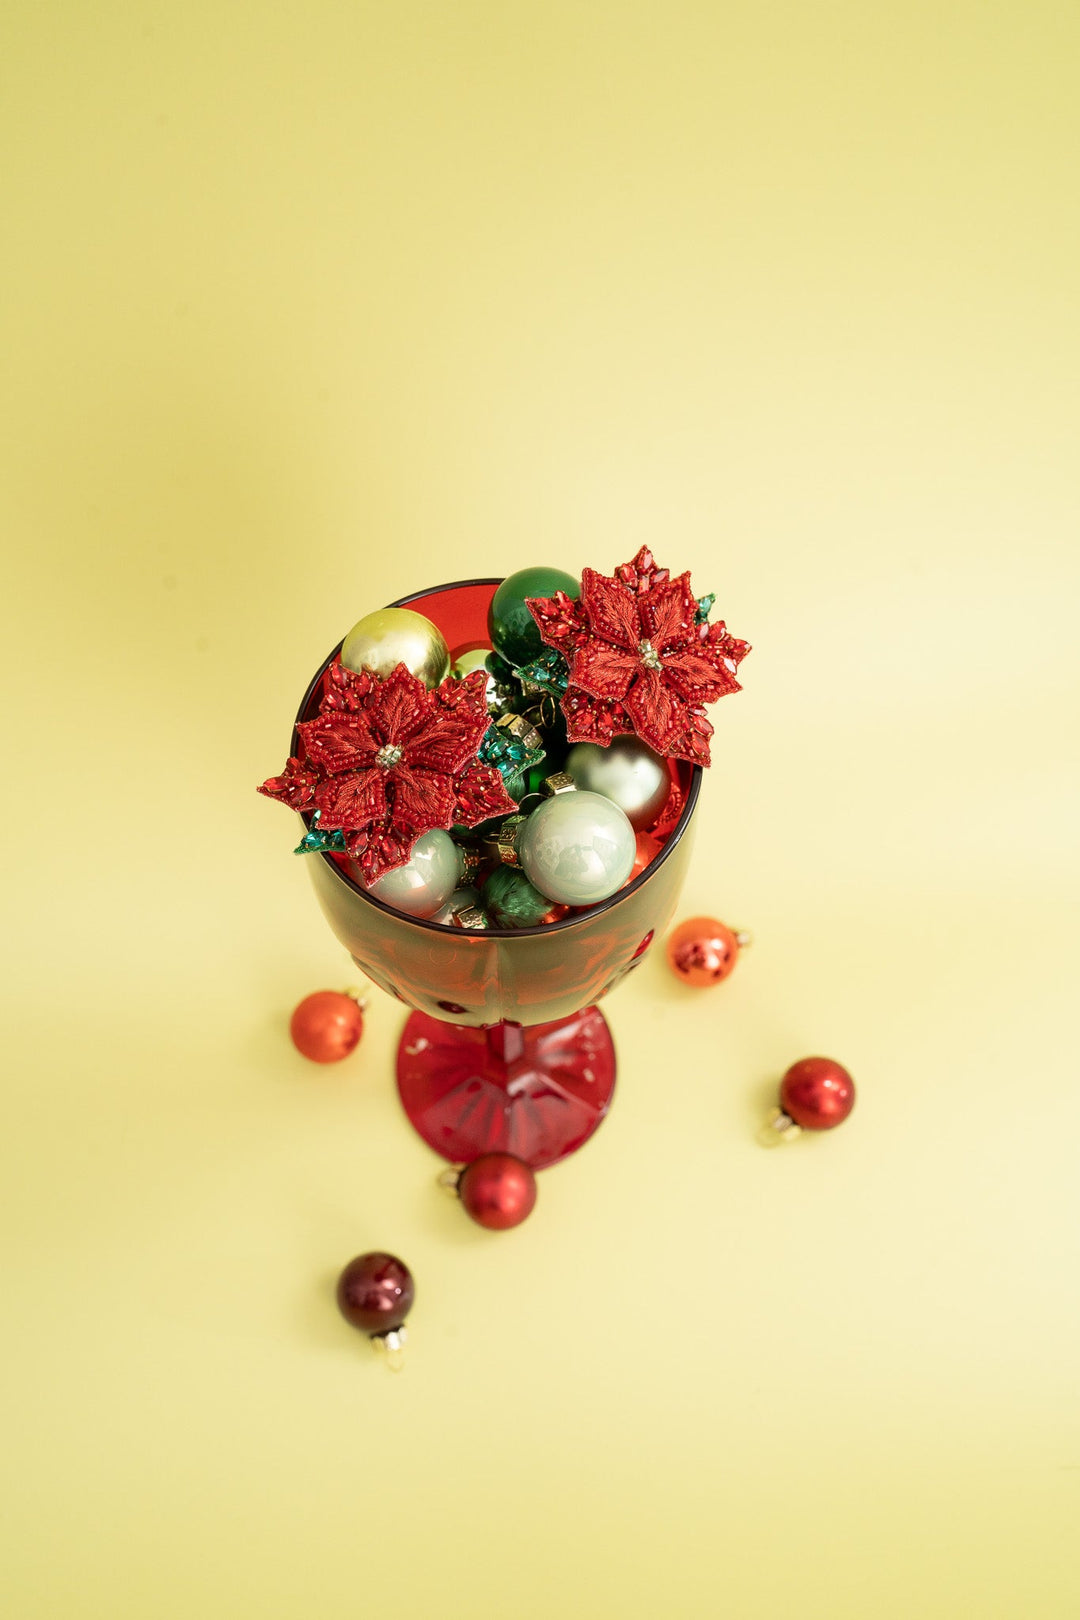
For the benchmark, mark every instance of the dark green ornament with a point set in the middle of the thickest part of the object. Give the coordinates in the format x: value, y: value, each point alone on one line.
x: 512, y: 901
x: 511, y: 626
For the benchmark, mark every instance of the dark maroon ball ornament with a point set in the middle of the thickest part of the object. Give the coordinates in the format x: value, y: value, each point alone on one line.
x: 327, y: 1025
x: 816, y: 1094
x: 375, y: 1294
x: 496, y: 1191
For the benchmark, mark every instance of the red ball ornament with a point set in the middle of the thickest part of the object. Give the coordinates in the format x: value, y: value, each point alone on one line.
x: 497, y: 1191
x: 703, y: 950
x: 817, y: 1093
x: 375, y: 1294
x: 326, y: 1026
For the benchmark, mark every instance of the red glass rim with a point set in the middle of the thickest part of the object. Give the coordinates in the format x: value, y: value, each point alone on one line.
x: 489, y: 933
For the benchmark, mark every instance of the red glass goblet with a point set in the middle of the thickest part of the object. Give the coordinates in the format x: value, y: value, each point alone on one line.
x: 505, y: 1051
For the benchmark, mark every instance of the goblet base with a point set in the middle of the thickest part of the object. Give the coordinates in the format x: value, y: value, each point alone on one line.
x: 538, y: 1092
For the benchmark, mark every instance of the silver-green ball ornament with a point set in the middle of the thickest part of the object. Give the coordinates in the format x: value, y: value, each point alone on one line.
x: 460, y: 900
x: 428, y: 878
x: 511, y: 626
x: 627, y: 772
x: 380, y: 641
x: 577, y: 848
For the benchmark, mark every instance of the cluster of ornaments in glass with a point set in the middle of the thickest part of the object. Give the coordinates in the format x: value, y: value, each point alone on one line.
x: 588, y: 816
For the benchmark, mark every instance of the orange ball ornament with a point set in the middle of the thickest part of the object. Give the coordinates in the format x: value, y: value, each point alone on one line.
x: 703, y: 951
x: 327, y: 1026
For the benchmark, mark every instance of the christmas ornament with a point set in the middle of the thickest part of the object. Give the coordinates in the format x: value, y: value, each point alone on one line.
x: 375, y: 1294
x: 426, y: 880
x: 703, y: 950
x: 627, y: 772
x: 472, y: 917
x: 391, y: 636
x: 500, y: 694
x: 646, y: 849
x: 639, y: 660
x: 512, y: 900
x: 496, y: 1191
x: 327, y: 1025
x: 511, y: 626
x: 387, y: 760
x: 577, y: 848
x: 461, y: 900
x: 816, y: 1094
x: 465, y: 663
x: 501, y: 844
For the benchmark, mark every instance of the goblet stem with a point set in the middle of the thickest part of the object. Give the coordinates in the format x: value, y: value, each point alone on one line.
x: 506, y: 1042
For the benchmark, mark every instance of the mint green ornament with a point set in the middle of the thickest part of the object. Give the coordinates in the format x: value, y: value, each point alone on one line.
x: 511, y: 626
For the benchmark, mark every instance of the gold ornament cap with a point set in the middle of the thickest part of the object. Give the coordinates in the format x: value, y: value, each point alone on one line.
x: 559, y: 782
x: 502, y: 843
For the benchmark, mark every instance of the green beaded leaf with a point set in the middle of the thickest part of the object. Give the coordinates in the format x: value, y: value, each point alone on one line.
x: 548, y: 673
x: 315, y: 842
x: 510, y: 756
x: 704, y: 608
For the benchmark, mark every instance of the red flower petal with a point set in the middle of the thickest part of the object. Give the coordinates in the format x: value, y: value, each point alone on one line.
x: 420, y: 799
x: 456, y: 729
x: 560, y: 620
x: 379, y: 848
x: 400, y: 705
x: 659, y: 713
x: 699, y: 674
x: 345, y: 689
x: 604, y: 670
x: 668, y: 613
x: 612, y: 612
x: 351, y: 801
x: 642, y: 574
x: 481, y: 794
x: 729, y: 647
x: 592, y: 719
x: 339, y: 742
x: 294, y: 786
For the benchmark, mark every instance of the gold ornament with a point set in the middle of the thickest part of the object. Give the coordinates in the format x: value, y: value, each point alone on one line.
x: 391, y: 636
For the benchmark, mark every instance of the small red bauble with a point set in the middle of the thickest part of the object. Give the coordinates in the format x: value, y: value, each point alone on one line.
x: 326, y: 1026
x: 703, y: 950
x: 817, y: 1093
x: 497, y: 1191
x: 375, y: 1293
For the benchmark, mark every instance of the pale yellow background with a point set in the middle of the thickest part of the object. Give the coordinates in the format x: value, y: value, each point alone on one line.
x: 305, y: 307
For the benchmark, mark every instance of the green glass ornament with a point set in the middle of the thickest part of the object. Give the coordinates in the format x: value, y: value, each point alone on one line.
x: 512, y: 628
x: 512, y: 900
